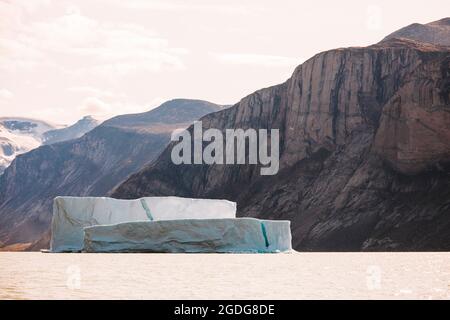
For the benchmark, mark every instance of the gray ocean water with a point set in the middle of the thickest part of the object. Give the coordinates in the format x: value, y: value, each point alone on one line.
x: 225, y: 276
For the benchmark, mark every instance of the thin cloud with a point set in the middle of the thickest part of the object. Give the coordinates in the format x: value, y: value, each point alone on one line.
x: 203, y: 7
x: 6, y: 94
x: 96, y: 92
x: 96, y: 107
x: 75, y: 43
x: 257, y: 59
x: 103, y: 110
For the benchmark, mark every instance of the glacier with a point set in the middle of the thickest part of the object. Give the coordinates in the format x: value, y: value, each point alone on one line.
x: 72, y: 214
x: 241, y: 235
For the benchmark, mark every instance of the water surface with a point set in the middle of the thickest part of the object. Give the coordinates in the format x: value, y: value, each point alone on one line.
x: 225, y: 276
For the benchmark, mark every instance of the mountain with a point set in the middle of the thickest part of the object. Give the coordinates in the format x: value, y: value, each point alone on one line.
x: 19, y: 135
x: 435, y: 32
x: 364, y: 151
x: 26, y: 127
x: 91, y: 165
x: 72, y: 132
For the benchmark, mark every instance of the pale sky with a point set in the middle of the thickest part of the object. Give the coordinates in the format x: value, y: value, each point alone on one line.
x: 63, y: 59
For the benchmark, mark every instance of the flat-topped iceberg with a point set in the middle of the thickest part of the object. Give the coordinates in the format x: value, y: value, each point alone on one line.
x: 72, y: 214
x: 243, y: 235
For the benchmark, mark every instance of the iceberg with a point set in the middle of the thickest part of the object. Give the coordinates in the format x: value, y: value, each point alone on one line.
x: 72, y: 214
x: 241, y: 235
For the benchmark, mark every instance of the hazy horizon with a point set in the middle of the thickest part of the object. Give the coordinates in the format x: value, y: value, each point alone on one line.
x: 62, y: 60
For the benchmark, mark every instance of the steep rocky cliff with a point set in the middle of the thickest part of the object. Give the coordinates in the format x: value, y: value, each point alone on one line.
x: 364, y: 145
x: 91, y: 165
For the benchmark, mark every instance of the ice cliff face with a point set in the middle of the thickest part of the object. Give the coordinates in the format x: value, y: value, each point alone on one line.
x: 365, y: 158
x: 88, y: 166
x: 244, y: 235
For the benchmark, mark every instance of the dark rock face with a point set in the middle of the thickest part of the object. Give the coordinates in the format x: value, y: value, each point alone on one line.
x: 365, y: 158
x: 91, y: 165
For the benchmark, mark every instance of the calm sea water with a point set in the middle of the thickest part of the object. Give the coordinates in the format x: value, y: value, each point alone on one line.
x: 225, y: 276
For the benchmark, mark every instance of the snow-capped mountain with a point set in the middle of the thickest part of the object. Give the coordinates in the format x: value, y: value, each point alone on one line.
x: 20, y: 135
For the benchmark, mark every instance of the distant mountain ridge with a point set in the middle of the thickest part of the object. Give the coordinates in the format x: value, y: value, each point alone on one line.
x: 74, y: 131
x: 91, y: 165
x: 436, y: 32
x: 172, y: 112
x: 20, y: 135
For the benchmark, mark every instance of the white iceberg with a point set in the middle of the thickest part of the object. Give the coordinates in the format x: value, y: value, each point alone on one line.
x: 242, y: 235
x: 72, y: 214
